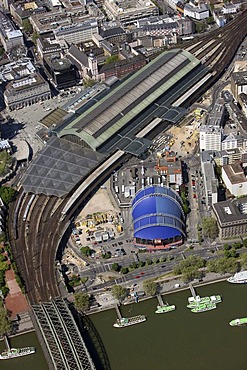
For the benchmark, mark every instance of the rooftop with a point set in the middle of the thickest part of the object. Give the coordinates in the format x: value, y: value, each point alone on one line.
x: 235, y: 173
x: 229, y: 211
x: 58, y: 167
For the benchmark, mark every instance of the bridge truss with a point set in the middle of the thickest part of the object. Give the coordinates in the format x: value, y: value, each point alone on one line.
x: 62, y: 336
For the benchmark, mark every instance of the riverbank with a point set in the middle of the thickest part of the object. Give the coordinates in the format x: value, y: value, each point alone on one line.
x: 167, y: 288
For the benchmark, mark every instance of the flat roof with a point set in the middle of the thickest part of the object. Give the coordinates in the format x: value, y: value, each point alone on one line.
x: 235, y: 173
x: 228, y: 211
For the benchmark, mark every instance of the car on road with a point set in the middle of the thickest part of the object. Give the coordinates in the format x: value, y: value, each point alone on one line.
x: 194, y: 195
x: 137, y: 277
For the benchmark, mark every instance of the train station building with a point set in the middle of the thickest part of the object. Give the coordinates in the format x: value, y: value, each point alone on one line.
x: 125, y: 117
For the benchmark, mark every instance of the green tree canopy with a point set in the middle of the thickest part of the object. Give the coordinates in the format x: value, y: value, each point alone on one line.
x: 223, y: 265
x: 210, y: 227
x: 190, y: 268
x: 81, y: 301
x: 4, y: 322
x: 112, y: 59
x: 124, y: 270
x: 27, y: 27
x: 7, y: 194
x: 4, y: 266
x: 118, y: 292
x: 86, y: 251
x: 150, y: 287
x: 35, y: 37
x: 115, y: 267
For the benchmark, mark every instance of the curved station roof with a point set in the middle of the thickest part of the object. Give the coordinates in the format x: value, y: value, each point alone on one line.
x: 158, y: 214
x: 112, y: 121
x: 133, y: 96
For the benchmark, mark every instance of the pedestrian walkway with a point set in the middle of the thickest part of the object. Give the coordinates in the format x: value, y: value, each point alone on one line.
x: 15, y: 301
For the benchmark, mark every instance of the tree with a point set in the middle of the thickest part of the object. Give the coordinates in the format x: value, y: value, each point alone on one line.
x: 7, y: 194
x: 210, y: 227
x: 81, y: 301
x: 115, y: 267
x: 243, y: 261
x: 124, y: 270
x: 4, y: 266
x: 26, y: 26
x: 89, y: 82
x: 4, y: 322
x: 112, y: 59
x: 35, y: 37
x: 200, y: 27
x: 118, y: 292
x: 223, y: 265
x: 150, y: 287
x: 86, y: 251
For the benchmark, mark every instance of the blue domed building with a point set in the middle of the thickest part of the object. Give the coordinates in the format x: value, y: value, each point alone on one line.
x: 159, y: 220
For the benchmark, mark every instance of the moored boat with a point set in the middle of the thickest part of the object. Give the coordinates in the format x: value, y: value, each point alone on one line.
x: 204, y: 307
x: 238, y: 322
x: 16, y: 352
x: 238, y: 278
x: 193, y: 302
x: 124, y: 321
x: 165, y: 308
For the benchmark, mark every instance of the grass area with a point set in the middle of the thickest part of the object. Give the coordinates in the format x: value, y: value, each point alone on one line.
x: 5, y: 161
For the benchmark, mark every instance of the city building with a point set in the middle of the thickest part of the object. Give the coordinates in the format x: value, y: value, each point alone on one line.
x: 210, y: 137
x: 209, y: 178
x: 48, y: 45
x: 242, y: 98
x: 21, y: 10
x: 230, y: 8
x: 171, y: 168
x: 26, y: 91
x: 196, y: 12
x: 164, y: 25
x: 234, y: 177
x: 115, y: 35
x: 231, y: 217
x: 10, y: 37
x: 232, y: 141
x: 17, y: 69
x: 60, y: 71
x: 76, y: 33
x: 239, y: 83
x: 158, y: 218
x: 127, y: 11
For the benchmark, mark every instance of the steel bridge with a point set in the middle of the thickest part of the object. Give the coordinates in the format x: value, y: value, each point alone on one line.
x: 62, y: 337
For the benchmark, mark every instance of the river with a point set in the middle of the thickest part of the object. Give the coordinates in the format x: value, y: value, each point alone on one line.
x: 35, y: 361
x: 179, y: 339
x: 172, y: 341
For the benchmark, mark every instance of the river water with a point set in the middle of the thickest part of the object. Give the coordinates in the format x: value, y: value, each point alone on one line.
x: 179, y: 340
x: 35, y: 361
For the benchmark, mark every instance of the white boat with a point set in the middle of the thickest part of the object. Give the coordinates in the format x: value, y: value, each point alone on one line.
x: 238, y: 278
x: 16, y: 352
x: 124, y: 321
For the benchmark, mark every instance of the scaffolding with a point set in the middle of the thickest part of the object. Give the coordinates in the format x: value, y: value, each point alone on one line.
x: 62, y: 336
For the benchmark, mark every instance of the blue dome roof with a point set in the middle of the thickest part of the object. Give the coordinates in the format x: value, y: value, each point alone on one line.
x: 158, y: 214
